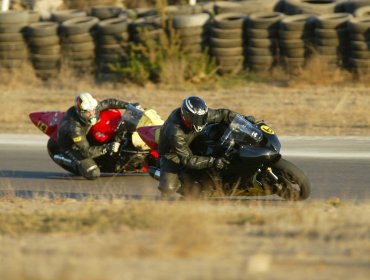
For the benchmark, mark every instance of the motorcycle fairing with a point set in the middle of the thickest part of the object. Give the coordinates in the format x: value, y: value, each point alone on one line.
x: 257, y: 155
x: 150, y: 135
x: 47, y: 122
x: 105, y: 130
x: 270, y: 136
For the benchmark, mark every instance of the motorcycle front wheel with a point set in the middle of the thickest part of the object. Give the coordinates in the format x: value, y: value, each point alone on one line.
x: 292, y: 183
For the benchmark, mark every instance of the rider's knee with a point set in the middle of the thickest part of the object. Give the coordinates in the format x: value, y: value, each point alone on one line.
x: 169, y: 184
x: 89, y: 169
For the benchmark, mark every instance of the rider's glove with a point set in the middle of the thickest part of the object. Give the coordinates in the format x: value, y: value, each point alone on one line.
x: 220, y: 163
x: 137, y: 105
x: 113, y: 147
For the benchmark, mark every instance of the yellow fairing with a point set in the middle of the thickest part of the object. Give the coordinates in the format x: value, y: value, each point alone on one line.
x: 149, y: 118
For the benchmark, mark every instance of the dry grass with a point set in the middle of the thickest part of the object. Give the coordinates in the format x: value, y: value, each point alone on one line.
x: 67, y: 239
x: 292, y: 105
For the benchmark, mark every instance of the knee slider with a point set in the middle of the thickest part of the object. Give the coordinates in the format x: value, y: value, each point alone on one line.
x: 92, y: 173
x: 89, y: 169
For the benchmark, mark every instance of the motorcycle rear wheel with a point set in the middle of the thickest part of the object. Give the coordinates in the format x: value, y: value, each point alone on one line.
x: 293, y: 183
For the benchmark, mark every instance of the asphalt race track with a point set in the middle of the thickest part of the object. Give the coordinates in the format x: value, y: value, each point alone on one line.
x: 336, y: 166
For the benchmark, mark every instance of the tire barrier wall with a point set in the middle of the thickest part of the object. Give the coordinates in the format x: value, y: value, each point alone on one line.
x: 112, y: 47
x: 296, y: 38
x: 191, y: 30
x: 236, y: 35
x: 227, y: 42
x: 332, y: 38
x: 359, y: 29
x: 262, y: 35
x: 13, y: 49
x: 44, y: 49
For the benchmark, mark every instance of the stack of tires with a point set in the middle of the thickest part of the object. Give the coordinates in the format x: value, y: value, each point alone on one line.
x: 359, y: 29
x: 227, y: 44
x: 44, y: 48
x: 309, y: 7
x: 146, y: 29
x: 245, y: 7
x: 363, y: 12
x: 13, y: 49
x: 33, y: 17
x: 78, y: 44
x: 351, y: 6
x: 112, y: 47
x: 63, y: 15
x: 295, y: 41
x: 192, y: 32
x: 105, y: 12
x: 262, y: 40
x: 332, y: 38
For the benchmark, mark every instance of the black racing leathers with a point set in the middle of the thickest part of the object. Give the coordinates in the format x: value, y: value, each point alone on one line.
x: 175, y: 139
x: 174, y: 148
x: 72, y: 131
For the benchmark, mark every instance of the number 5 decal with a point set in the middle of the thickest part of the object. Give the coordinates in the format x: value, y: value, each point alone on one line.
x: 267, y: 129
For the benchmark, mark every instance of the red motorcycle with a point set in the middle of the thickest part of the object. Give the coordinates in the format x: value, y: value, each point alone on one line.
x: 118, y: 125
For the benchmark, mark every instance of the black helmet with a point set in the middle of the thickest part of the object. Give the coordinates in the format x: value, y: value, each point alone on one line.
x: 194, y: 112
x: 86, y: 108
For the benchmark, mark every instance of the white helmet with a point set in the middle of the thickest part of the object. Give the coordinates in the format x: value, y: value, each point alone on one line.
x: 86, y: 108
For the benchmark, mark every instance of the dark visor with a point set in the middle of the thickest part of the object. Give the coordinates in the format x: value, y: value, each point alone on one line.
x: 199, y: 120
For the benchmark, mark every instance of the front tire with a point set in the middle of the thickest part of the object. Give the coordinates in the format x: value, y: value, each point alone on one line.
x: 292, y: 184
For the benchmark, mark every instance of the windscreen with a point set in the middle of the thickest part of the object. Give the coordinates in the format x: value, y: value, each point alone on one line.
x: 131, y: 117
x: 241, y: 131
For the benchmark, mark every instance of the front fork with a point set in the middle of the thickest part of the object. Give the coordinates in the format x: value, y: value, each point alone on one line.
x: 269, y: 175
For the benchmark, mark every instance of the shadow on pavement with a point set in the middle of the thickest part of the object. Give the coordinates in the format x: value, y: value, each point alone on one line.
x: 36, y: 175
x: 55, y: 175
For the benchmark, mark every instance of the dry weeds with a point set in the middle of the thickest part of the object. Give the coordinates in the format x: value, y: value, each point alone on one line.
x: 67, y: 239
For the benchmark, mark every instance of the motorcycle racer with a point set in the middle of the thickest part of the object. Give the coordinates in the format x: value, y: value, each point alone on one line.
x: 176, y: 135
x: 75, y: 150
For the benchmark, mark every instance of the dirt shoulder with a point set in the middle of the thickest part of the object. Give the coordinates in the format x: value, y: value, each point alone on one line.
x: 291, y: 108
x: 66, y: 239
x: 298, y: 110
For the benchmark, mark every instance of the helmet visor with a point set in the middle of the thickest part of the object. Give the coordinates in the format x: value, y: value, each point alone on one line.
x: 199, y: 121
x: 91, y: 116
x: 88, y: 113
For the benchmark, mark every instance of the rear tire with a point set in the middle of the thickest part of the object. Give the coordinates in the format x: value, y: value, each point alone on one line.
x: 295, y: 185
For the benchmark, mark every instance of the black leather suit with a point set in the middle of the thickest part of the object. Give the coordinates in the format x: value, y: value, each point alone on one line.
x: 72, y: 140
x: 175, y: 154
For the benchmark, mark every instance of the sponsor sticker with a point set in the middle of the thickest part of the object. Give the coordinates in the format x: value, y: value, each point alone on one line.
x: 77, y: 139
x: 267, y: 129
x: 42, y: 126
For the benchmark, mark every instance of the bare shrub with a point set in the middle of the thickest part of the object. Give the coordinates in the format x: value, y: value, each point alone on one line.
x: 318, y: 71
x: 19, y: 77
